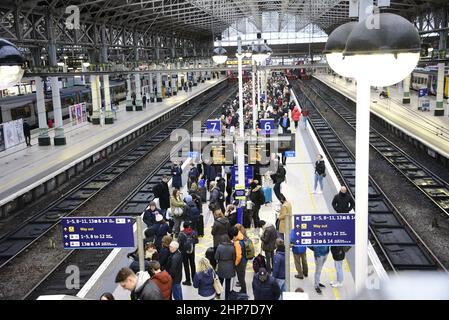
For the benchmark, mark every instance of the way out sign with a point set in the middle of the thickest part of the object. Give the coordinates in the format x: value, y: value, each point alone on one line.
x: 325, y: 229
x: 97, y: 232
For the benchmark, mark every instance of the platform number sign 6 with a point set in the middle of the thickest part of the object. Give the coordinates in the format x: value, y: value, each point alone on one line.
x: 213, y: 126
x: 267, y: 125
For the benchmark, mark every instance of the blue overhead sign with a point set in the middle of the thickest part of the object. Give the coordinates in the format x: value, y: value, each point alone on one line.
x: 422, y: 92
x: 97, y: 232
x: 290, y: 154
x: 213, y: 126
x: 325, y: 229
x: 235, y: 177
x: 266, y: 126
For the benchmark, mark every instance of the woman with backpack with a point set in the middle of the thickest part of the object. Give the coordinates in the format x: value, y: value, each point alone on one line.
x: 177, y: 206
x: 188, y: 238
x: 204, y: 280
x: 216, y: 198
x: 240, y: 257
x: 339, y: 254
x: 268, y: 239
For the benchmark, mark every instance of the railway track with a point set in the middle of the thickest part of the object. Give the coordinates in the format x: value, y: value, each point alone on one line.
x: 134, y: 204
x: 429, y: 183
x: 16, y: 241
x: 397, y: 244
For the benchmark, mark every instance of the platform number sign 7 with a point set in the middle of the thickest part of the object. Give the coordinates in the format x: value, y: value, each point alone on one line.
x: 267, y: 125
x: 213, y: 126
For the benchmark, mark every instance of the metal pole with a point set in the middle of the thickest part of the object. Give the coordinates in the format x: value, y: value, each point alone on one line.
x: 288, y: 227
x: 140, y: 249
x: 253, y: 84
x: 361, y: 183
x: 240, y: 140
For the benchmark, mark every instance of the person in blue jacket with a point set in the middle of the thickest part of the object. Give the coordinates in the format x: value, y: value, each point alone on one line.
x: 300, y: 257
x: 176, y: 173
x: 320, y: 253
x: 204, y: 280
x: 279, y: 264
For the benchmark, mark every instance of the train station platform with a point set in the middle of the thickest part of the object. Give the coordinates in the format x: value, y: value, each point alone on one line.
x: 423, y: 126
x: 28, y: 172
x: 298, y: 190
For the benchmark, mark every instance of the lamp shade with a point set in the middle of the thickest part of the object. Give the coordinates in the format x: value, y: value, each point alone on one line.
x: 385, y: 54
x: 11, y: 61
x: 260, y: 53
x: 335, y: 45
x: 219, y: 55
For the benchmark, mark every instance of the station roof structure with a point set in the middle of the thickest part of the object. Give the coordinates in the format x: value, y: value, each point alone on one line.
x: 206, y: 18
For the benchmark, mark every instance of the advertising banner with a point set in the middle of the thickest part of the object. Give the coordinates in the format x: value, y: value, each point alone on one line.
x: 77, y: 114
x: 13, y: 133
x: 2, y: 139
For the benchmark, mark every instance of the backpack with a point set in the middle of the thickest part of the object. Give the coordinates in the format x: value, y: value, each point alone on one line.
x: 189, y: 244
x: 259, y: 262
x: 221, y: 196
x: 249, y: 248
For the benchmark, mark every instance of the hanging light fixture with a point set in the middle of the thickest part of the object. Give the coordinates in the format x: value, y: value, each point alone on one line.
x: 11, y: 64
x: 220, y: 54
x: 335, y: 45
x: 269, y: 50
x: 249, y: 51
x: 260, y: 53
x: 384, y: 55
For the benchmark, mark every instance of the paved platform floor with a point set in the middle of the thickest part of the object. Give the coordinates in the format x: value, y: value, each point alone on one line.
x: 24, y: 167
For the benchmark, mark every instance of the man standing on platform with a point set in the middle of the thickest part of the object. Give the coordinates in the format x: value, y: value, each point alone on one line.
x: 162, y: 192
x: 27, y: 133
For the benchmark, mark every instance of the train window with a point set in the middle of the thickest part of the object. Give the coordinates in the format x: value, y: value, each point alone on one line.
x: 21, y: 112
x: 67, y: 101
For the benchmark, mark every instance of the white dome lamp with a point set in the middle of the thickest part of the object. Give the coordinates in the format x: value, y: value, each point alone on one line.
x: 11, y: 64
x: 384, y: 55
x: 269, y: 50
x: 220, y: 54
x: 260, y: 53
x: 335, y: 46
x: 379, y: 55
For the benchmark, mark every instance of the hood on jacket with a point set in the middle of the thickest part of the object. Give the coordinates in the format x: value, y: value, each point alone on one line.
x: 187, y: 231
x: 239, y: 236
x: 163, y: 277
x: 342, y: 195
x: 188, y: 198
x: 267, y: 225
x: 142, y: 277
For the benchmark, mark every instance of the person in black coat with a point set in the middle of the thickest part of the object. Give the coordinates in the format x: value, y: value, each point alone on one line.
x: 343, y: 202
x: 162, y: 192
x: 164, y: 253
x: 225, y: 257
x: 257, y: 197
x: 161, y: 229
x: 220, y: 227
x: 174, y: 268
x: 265, y: 287
x: 27, y: 133
x: 176, y: 173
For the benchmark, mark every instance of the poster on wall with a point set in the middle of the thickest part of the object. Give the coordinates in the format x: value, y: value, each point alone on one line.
x: 77, y: 112
x: 13, y: 133
x: 2, y: 139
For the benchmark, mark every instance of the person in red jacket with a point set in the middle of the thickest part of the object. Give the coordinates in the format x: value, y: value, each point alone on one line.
x: 296, y: 114
x: 161, y: 278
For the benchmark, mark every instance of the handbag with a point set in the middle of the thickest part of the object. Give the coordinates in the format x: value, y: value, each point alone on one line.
x: 178, y: 212
x: 217, y: 285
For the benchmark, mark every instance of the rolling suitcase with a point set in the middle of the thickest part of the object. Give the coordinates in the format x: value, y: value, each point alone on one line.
x: 268, y: 193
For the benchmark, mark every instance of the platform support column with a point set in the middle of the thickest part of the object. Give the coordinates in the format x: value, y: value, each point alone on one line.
x: 59, y: 138
x: 139, y: 103
x: 129, y: 103
x: 96, y: 98
x: 259, y: 73
x: 253, y: 93
x: 195, y: 74
x: 439, y: 107
x: 406, y: 90
x: 208, y: 64
x: 109, y: 118
x: 159, y: 87
x: 44, y: 138
x: 151, y: 86
x: 174, y: 78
